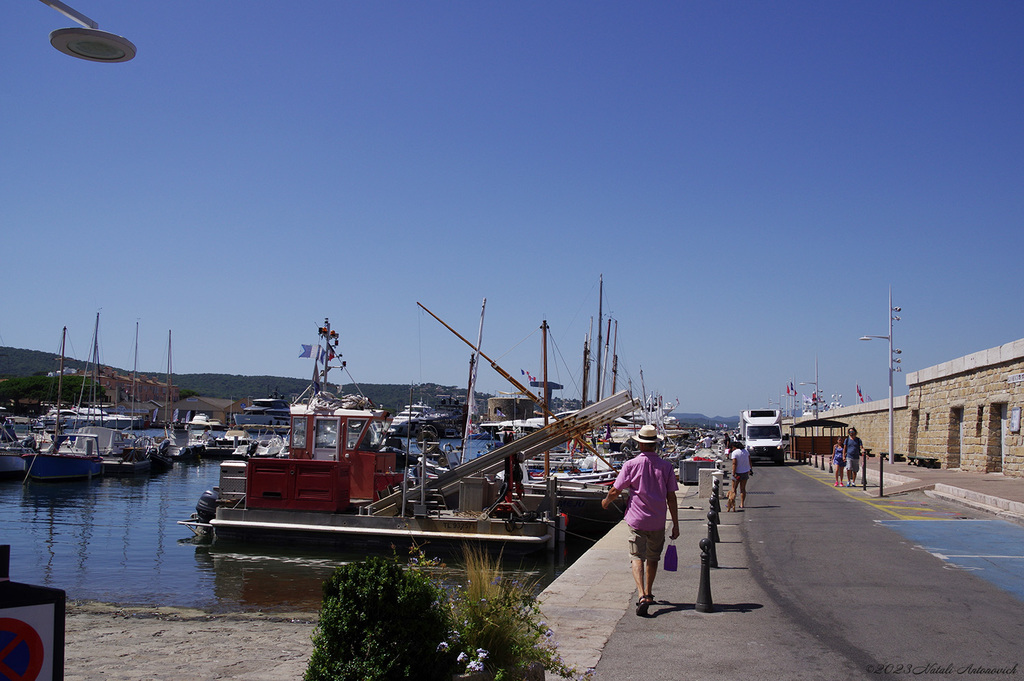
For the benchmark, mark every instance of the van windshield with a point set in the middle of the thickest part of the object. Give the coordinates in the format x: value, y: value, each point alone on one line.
x: 763, y: 433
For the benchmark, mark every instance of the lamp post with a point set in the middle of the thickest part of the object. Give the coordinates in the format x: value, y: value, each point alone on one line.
x: 814, y: 402
x: 88, y: 42
x: 893, y: 361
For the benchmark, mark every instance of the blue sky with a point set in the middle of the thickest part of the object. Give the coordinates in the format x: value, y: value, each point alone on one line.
x: 749, y: 178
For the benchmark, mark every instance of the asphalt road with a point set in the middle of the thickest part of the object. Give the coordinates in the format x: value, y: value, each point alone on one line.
x: 824, y: 583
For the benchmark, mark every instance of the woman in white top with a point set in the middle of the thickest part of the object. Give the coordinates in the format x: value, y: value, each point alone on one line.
x: 741, y: 471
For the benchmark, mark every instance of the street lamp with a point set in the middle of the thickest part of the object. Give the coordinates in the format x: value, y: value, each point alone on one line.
x: 88, y: 42
x: 893, y: 361
x: 814, y: 402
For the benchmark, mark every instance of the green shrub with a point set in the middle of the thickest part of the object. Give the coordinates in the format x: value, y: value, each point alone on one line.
x: 499, y: 624
x: 381, y: 621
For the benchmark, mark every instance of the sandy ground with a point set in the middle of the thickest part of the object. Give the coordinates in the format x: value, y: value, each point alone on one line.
x: 104, y: 641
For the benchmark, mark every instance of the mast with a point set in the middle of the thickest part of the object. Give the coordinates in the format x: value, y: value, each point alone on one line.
x: 547, y: 407
x: 615, y: 358
x: 135, y: 370
x: 167, y: 402
x: 471, y: 390
x: 600, y: 323
x: 60, y: 386
x: 586, y: 364
x: 607, y: 339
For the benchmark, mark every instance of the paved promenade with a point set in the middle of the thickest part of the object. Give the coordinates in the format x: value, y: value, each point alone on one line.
x: 591, y: 606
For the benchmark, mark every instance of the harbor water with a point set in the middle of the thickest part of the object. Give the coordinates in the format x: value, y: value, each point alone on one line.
x: 116, y: 540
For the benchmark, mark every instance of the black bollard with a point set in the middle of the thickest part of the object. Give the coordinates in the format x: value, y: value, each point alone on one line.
x: 716, y: 504
x: 712, y: 528
x: 704, y: 603
x: 715, y: 517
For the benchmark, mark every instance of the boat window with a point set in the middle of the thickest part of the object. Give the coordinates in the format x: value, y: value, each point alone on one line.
x: 355, y: 430
x: 299, y: 433
x: 326, y: 434
x: 375, y: 439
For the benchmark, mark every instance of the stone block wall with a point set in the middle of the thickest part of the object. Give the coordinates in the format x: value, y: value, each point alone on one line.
x: 964, y: 409
x: 960, y: 412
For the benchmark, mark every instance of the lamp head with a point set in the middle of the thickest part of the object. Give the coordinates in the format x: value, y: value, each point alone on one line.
x: 92, y: 44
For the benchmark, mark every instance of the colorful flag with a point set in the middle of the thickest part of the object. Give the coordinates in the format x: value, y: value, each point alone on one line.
x: 858, y: 393
x: 307, y: 351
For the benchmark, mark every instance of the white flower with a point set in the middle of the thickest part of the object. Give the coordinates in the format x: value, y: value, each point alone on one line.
x: 442, y: 647
x: 481, y: 653
x: 462, y: 657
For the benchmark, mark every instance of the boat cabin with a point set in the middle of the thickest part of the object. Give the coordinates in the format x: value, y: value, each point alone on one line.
x: 336, y: 459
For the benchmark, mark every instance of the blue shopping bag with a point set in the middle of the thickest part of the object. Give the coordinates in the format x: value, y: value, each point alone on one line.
x: 671, y: 560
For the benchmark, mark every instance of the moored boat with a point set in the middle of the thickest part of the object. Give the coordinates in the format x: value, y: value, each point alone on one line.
x: 340, y: 485
x: 72, y: 458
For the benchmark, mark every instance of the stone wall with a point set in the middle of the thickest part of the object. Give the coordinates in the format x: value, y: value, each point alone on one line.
x: 960, y: 412
x: 963, y: 410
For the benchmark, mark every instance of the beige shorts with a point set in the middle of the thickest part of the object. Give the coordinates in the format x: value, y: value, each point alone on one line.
x: 646, y: 545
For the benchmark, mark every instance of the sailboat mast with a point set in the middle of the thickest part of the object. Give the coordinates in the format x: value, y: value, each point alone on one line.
x: 547, y: 407
x: 615, y: 358
x: 60, y: 383
x: 586, y: 364
x: 600, y: 323
x: 167, y: 402
x: 135, y: 371
x: 474, y: 362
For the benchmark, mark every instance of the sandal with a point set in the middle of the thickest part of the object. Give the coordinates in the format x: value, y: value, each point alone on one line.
x: 643, y: 604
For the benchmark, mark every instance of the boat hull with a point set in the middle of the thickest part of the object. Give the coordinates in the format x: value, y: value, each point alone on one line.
x: 12, y: 466
x: 345, y: 530
x: 57, y: 467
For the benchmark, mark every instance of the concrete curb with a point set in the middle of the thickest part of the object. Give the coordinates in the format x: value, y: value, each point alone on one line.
x: 983, y: 502
x: 585, y: 603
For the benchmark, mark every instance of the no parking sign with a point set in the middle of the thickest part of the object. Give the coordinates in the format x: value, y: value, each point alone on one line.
x: 31, y: 629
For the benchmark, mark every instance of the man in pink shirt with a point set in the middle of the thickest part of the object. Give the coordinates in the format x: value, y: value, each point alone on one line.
x: 652, y: 486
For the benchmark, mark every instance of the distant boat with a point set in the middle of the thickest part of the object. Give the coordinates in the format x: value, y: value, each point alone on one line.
x: 265, y: 411
x: 12, y: 463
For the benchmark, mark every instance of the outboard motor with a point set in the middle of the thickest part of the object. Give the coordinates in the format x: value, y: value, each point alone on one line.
x: 206, y: 508
x: 253, y: 448
x: 164, y: 445
x: 29, y: 442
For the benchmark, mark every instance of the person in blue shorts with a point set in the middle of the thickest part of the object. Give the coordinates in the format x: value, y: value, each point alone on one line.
x: 852, y: 448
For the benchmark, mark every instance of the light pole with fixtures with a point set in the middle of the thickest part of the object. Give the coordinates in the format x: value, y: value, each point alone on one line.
x: 814, y: 402
x: 88, y: 42
x: 893, y: 361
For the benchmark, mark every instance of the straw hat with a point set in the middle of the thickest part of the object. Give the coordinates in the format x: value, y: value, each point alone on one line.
x: 647, y: 434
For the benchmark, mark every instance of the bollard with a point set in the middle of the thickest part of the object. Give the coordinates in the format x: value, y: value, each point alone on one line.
x: 881, y: 462
x: 712, y: 537
x: 716, y: 504
x: 704, y: 603
x: 714, y: 517
x: 713, y: 528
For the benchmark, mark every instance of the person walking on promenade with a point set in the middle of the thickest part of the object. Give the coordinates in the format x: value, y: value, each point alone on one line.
x: 652, y: 483
x: 838, y: 462
x: 741, y: 469
x: 853, y: 445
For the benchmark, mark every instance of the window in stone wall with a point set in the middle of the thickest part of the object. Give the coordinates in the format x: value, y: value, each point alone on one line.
x: 927, y: 419
x: 978, y: 423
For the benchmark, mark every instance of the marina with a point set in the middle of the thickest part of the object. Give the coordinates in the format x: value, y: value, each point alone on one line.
x: 115, y: 539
